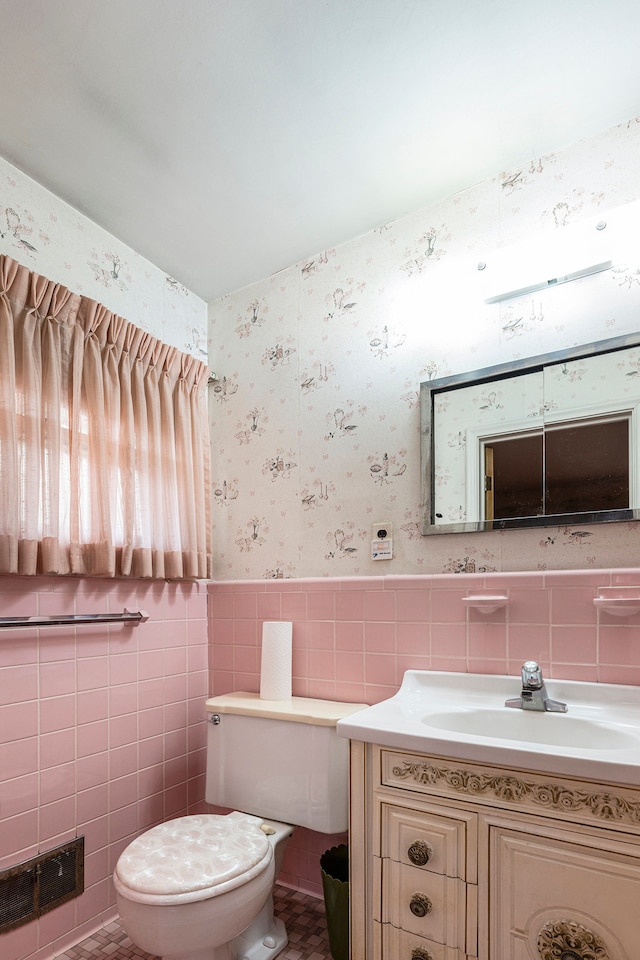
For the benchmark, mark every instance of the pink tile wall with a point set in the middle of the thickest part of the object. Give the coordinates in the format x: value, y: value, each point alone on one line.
x: 101, y: 727
x: 354, y: 638
x: 102, y: 732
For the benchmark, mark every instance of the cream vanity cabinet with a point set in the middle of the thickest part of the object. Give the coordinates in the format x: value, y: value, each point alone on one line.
x: 453, y: 860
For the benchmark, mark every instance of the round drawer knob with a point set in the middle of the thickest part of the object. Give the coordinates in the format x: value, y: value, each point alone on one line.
x: 419, y: 853
x: 419, y: 953
x: 420, y: 905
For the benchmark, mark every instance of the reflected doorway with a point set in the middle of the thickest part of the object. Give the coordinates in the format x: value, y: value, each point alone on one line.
x: 569, y: 468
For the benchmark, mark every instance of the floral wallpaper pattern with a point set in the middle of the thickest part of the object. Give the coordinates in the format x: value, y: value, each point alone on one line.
x: 315, y: 415
x: 49, y: 236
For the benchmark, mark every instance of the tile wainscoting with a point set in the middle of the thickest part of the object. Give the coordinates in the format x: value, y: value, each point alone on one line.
x: 102, y: 727
x: 102, y: 732
x: 354, y: 638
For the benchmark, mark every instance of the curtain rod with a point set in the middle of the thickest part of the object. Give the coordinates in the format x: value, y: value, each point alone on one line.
x: 127, y: 616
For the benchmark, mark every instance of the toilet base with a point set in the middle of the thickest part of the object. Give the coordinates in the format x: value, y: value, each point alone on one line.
x: 263, y: 939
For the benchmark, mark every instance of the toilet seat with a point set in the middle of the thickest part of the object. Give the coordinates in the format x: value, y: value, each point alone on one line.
x: 193, y: 858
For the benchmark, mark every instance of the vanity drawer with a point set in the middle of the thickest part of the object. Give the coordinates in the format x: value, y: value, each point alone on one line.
x: 400, y: 945
x: 427, y: 904
x: 424, y: 839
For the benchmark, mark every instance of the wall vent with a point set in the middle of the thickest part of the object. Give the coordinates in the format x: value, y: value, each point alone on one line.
x: 38, y: 885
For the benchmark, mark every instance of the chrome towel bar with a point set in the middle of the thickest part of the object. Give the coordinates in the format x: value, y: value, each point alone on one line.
x: 127, y: 616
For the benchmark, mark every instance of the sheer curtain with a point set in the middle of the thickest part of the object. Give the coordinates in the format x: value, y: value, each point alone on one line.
x: 104, y: 451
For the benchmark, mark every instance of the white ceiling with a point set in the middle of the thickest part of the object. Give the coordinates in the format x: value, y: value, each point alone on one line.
x: 227, y: 139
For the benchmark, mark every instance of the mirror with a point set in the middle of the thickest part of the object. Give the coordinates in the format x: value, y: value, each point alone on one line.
x: 550, y: 440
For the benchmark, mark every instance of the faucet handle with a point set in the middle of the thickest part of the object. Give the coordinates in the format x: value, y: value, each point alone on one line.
x: 531, y: 675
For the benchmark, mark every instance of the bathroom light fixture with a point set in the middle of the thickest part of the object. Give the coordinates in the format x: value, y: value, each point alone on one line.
x: 554, y: 256
x: 543, y: 284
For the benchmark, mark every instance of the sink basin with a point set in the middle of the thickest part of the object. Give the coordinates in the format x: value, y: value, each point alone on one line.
x: 528, y: 726
x: 463, y: 716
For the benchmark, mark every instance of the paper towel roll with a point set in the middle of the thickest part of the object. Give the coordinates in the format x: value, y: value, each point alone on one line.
x: 275, y: 670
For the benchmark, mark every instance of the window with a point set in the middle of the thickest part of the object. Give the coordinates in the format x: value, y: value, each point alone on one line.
x: 104, y: 460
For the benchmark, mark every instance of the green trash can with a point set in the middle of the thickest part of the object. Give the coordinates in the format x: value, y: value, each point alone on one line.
x: 334, y: 866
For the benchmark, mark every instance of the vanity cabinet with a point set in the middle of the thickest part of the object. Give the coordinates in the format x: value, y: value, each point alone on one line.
x: 455, y: 861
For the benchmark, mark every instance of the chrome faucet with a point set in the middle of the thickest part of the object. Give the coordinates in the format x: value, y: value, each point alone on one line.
x: 533, y: 695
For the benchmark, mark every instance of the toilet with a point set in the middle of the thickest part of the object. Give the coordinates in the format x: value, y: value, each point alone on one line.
x: 201, y: 887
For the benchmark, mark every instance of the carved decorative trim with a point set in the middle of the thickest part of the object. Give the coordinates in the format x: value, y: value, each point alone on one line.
x: 566, y: 940
x: 601, y: 805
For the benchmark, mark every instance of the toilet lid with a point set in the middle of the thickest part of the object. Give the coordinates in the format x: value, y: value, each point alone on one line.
x: 205, y: 854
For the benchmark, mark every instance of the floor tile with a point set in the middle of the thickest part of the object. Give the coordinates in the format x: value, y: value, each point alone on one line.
x: 303, y: 916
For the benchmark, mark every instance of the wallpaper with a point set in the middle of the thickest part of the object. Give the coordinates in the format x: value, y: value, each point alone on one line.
x: 315, y: 415
x: 52, y: 238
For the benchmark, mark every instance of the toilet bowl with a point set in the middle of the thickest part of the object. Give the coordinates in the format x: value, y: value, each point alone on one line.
x: 201, y: 887
x: 187, y: 888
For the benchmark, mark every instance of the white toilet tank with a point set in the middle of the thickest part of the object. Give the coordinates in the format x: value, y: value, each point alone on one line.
x: 280, y: 759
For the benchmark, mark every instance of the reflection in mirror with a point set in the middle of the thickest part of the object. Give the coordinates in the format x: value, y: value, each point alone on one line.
x: 565, y: 468
x: 539, y: 442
